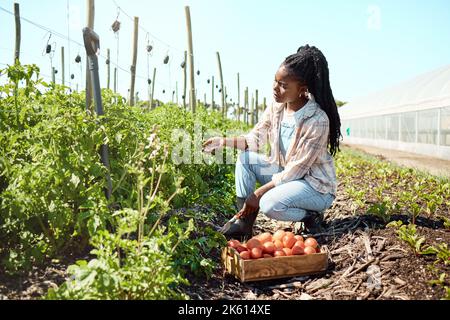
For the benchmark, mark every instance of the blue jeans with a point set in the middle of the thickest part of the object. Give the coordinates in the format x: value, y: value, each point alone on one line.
x: 287, y: 202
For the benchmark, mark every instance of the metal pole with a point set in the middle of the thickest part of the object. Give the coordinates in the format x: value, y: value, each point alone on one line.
x: 90, y: 4
x: 92, y: 44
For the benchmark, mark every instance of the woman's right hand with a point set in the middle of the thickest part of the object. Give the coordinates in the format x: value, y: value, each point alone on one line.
x: 211, y: 145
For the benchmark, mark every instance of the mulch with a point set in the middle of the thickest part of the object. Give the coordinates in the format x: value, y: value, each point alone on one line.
x: 367, y: 261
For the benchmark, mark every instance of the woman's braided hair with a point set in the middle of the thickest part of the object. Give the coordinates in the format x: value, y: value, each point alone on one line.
x: 310, y: 67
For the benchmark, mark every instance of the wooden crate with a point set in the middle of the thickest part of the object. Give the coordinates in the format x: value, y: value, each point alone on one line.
x: 273, y: 268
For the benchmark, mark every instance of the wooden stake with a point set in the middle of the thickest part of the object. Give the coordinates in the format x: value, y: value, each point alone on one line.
x: 63, y: 67
x: 18, y: 32
x: 149, y: 94
x: 221, y: 83
x: 176, y: 89
x: 212, y: 94
x: 192, y: 99
x: 226, y: 104
x: 246, y: 115
x: 252, y: 111
x: 90, y: 4
x: 53, y: 75
x: 108, y: 66
x: 239, y: 98
x: 115, y: 80
x: 185, y: 80
x: 257, y: 108
x: 153, y: 88
x: 133, y: 63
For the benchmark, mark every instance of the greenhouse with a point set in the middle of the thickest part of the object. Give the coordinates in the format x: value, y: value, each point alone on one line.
x: 413, y: 116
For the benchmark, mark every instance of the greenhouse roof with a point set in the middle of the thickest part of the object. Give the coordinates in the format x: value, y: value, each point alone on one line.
x: 427, y: 91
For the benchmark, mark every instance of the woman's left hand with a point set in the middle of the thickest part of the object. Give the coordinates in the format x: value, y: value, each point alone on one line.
x: 251, y: 206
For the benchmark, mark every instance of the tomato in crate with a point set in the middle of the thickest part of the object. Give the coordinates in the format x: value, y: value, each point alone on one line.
x: 268, y: 256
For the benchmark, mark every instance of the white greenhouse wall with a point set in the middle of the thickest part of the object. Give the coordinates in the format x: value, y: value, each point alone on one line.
x: 425, y: 132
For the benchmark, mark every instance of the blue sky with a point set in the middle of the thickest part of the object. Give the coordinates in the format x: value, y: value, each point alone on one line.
x: 369, y: 45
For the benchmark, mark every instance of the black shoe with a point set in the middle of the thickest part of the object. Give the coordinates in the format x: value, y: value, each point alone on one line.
x: 242, y: 229
x: 313, y: 222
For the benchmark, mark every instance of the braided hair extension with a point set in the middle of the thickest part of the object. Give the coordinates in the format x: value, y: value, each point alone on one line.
x: 310, y: 67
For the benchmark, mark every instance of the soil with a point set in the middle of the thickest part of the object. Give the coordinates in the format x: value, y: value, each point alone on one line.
x: 34, y: 284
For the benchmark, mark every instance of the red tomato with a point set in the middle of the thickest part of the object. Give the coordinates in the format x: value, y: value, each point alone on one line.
x: 300, y: 244
x: 279, y: 253
x: 265, y: 237
x: 298, y: 251
x: 311, y: 242
x: 256, y: 253
x: 240, y: 248
x: 279, y: 235
x: 278, y: 245
x: 233, y: 243
x: 267, y: 256
x: 245, y: 255
x: 290, y: 234
x: 253, y: 243
x: 288, y: 241
x: 269, y: 247
x: 299, y: 238
x: 287, y: 251
x: 310, y: 250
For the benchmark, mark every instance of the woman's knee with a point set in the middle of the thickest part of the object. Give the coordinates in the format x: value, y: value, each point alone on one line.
x: 271, y: 207
x: 276, y: 210
x: 266, y: 205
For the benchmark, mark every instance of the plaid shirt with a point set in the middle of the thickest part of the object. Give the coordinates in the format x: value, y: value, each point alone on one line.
x: 307, y: 157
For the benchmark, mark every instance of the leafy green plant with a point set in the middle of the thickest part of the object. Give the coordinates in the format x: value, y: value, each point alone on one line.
x: 380, y: 210
x: 142, y: 271
x: 52, y: 179
x: 446, y: 221
x: 408, y: 233
x: 134, y: 262
x: 442, y: 282
x: 441, y: 251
